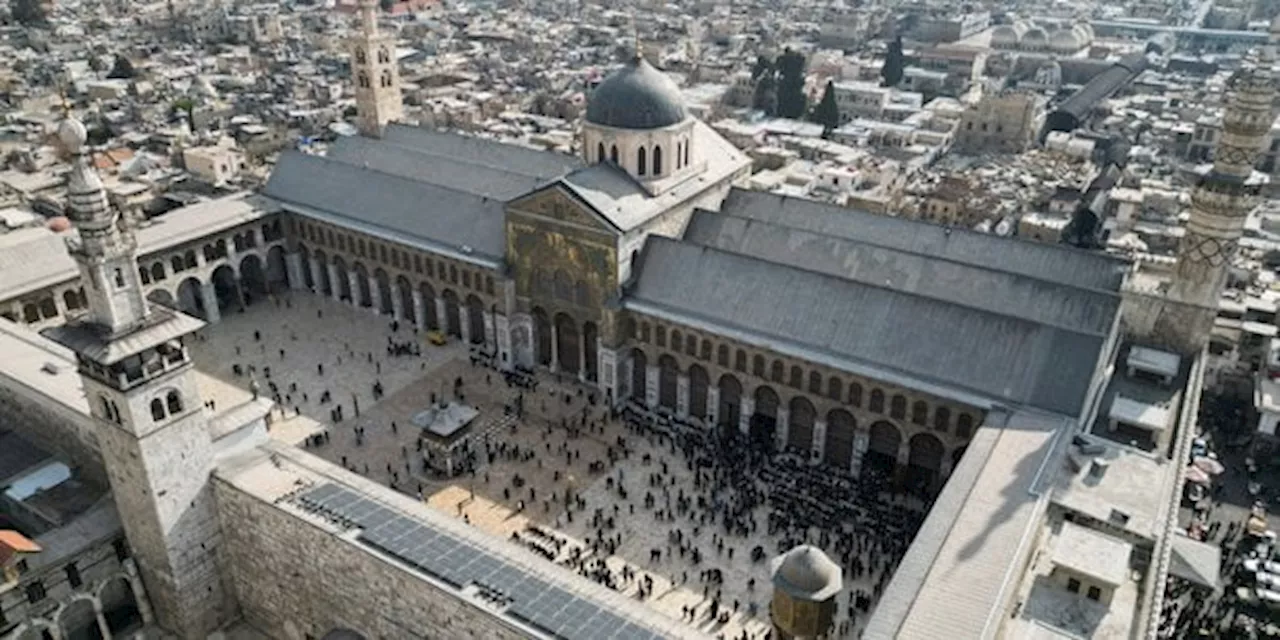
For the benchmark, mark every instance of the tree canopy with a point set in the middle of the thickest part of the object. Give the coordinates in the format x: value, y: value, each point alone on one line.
x: 792, y: 102
x: 894, y: 64
x: 28, y: 12
x: 826, y: 113
x: 122, y: 69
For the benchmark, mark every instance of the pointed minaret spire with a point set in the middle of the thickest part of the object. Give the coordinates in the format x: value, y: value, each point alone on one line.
x: 106, y: 250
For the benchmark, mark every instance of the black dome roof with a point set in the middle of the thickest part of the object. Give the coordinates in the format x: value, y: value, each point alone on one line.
x: 637, y: 96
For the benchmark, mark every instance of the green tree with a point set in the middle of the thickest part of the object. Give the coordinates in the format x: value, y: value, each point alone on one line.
x: 827, y: 113
x: 766, y: 96
x: 792, y: 102
x: 28, y: 12
x: 894, y: 64
x: 762, y: 66
x: 122, y: 69
x: 185, y: 105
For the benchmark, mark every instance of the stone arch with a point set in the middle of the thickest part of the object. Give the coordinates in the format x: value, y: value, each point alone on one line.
x: 173, y: 402
x: 942, y: 419
x: 48, y: 308
x: 304, y: 260
x: 541, y: 337
x: 641, y: 161
x: 677, y: 340
x: 119, y: 605
x: 765, y: 419
x: 876, y: 403
x: 796, y: 379
x: 590, y: 351
x: 639, y: 375
x: 429, y: 307
x: 253, y: 278
x: 176, y: 264
x: 343, y: 285
x: 277, y: 271
x: 452, y: 314
x: 757, y: 366
x: 324, y: 284
x: 920, y: 412
x: 30, y: 313
x: 404, y: 292
x: 383, y: 282
x: 475, y: 319
x: 78, y: 619
x: 225, y: 287
x: 815, y: 382
x: 567, y: 339
x: 855, y: 394
x: 657, y: 160
x: 800, y: 425
x: 698, y: 383
x: 835, y: 390
x: 191, y: 297
x: 704, y: 350
x: 600, y: 157
x: 882, y: 448
x: 72, y: 299
x: 363, y: 293
x: 729, y: 413
x: 776, y: 371
x: 157, y: 272
x: 924, y: 460
x: 964, y: 425
x: 722, y: 355
x: 837, y: 450
x: 157, y: 409
x: 189, y: 259
x: 668, y: 374
x: 898, y: 407
x: 362, y: 79
x: 613, y: 153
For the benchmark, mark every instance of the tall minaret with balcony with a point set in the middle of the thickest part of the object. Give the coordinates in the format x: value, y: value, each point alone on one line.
x: 150, y: 420
x: 376, y: 74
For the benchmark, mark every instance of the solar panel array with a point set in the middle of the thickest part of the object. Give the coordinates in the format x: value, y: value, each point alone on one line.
x: 533, y: 600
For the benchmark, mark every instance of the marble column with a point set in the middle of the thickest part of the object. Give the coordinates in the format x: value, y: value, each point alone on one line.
x: 316, y: 276
x: 944, y: 471
x: 713, y: 404
x: 102, y: 620
x: 555, y: 347
x: 502, y: 332
x: 606, y: 373
x: 335, y: 285
x: 397, y: 304
x: 419, y: 311
x: 582, y: 356
x: 442, y: 316
x: 819, y: 439
x: 293, y: 269
x: 464, y: 319
x: 375, y: 296
x: 628, y: 368
x: 651, y: 386
x: 209, y: 296
x: 748, y: 409
x: 682, y: 396
x: 353, y: 281
x: 861, y: 441
x: 489, y: 341
x: 783, y: 429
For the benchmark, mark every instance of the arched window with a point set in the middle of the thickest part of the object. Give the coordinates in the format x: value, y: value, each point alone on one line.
x: 757, y: 366
x: 964, y: 425
x: 877, y: 401
x: 657, y: 161
x: 48, y: 308
x: 676, y: 340
x: 384, y: 56
x: 157, y: 409
x: 641, y: 161
x: 686, y: 153
x: 30, y: 313
x: 176, y: 263
x: 777, y: 371
x: 942, y: 419
x: 690, y: 345
x: 660, y: 335
x: 189, y: 259
x: 386, y: 78
x: 797, y: 378
x: 362, y: 79
x: 834, y: 388
x: 898, y: 407
x: 600, y: 152
x: 629, y: 328
x: 174, y: 402
x: 71, y: 300
x: 722, y: 355
x: 919, y: 412
x: 740, y: 361
x: 613, y: 154
x: 705, y: 353
x: 679, y: 147
x: 360, y: 57
x: 106, y: 407
x: 144, y: 275
x: 157, y: 272
x: 815, y: 382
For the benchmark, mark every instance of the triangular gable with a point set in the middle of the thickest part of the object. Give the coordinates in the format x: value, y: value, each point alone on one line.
x: 556, y: 202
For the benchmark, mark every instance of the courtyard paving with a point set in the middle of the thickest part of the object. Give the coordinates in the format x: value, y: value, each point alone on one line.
x: 351, y: 344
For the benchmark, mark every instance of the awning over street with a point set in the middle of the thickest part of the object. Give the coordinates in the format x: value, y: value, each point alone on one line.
x: 1195, y: 561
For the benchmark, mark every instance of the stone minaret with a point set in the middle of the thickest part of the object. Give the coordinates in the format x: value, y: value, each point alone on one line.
x: 148, y: 414
x: 1227, y: 193
x: 376, y: 74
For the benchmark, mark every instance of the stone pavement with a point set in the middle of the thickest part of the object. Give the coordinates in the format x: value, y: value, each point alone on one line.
x: 351, y: 345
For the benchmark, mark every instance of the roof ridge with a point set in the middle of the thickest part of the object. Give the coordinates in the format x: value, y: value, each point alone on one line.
x: 326, y: 160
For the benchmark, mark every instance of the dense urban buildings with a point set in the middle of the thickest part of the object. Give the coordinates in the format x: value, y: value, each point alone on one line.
x: 563, y: 320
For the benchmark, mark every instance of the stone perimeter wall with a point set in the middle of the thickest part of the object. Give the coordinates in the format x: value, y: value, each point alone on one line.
x: 294, y: 578
x: 67, y: 435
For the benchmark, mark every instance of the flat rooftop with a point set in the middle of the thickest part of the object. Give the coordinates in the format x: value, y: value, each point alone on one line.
x: 1091, y: 553
x: 1123, y: 496
x: 413, y: 536
x: 1146, y: 407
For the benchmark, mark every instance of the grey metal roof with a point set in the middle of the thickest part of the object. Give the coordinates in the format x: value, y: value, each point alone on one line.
x: 636, y: 96
x: 472, y: 150
x: 394, y: 205
x: 1087, y: 310
x: 92, y: 341
x: 1049, y: 262
x: 420, y: 164
x: 998, y: 356
x: 1102, y: 86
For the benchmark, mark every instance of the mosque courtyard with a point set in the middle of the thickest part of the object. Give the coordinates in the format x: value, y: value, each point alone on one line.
x: 321, y: 354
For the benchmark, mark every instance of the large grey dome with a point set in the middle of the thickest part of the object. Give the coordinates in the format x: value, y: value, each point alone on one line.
x: 637, y: 96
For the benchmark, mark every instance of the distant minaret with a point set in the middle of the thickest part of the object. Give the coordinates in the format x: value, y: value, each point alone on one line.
x: 376, y: 74
x: 148, y: 415
x: 1225, y: 195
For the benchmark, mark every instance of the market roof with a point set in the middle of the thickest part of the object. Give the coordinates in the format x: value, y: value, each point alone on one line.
x: 1195, y: 561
